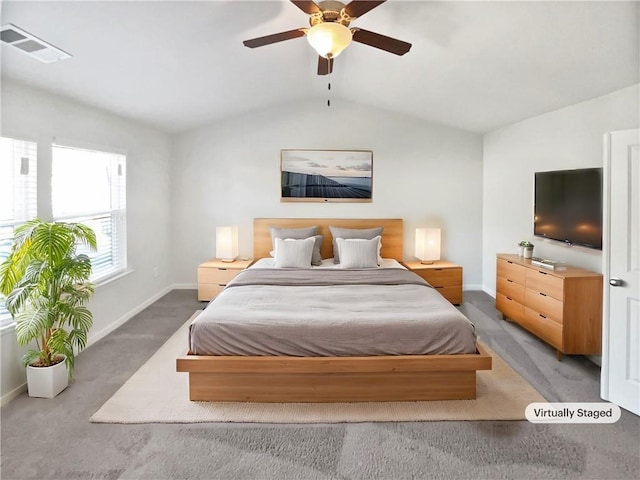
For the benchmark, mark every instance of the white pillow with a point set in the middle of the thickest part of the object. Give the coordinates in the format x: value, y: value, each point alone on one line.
x: 291, y: 253
x: 316, y: 256
x: 379, y: 238
x: 298, y: 234
x: 358, y: 252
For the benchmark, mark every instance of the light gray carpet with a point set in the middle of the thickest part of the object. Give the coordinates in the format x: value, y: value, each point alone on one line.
x: 53, y: 439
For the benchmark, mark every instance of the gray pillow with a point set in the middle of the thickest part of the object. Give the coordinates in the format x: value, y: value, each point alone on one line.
x: 316, y: 256
x: 299, y: 234
x: 339, y: 232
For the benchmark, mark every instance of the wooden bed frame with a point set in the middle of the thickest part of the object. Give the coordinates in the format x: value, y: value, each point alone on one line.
x: 332, y: 379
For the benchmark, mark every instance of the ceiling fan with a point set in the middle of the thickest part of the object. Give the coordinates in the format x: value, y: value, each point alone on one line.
x: 329, y: 33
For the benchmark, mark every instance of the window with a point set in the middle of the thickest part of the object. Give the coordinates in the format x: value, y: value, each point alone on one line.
x: 89, y: 187
x: 18, y: 195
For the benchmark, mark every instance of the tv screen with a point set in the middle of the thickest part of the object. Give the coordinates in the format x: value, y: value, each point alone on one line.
x: 568, y: 206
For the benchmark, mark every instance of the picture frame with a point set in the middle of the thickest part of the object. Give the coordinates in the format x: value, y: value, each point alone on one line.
x: 326, y: 175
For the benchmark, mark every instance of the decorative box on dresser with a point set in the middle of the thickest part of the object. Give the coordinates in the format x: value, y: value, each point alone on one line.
x: 214, y: 274
x: 563, y: 307
x: 444, y: 276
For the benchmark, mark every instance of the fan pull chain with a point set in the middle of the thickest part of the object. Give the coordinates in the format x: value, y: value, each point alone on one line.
x: 329, y: 84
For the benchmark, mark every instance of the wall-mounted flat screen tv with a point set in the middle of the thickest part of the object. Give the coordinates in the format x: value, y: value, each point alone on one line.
x: 568, y: 206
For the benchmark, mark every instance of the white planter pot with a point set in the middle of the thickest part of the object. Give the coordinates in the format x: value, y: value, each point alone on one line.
x: 521, y: 251
x: 47, y: 382
x: 528, y: 252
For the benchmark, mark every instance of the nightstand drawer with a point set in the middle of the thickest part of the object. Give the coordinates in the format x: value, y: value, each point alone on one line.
x: 513, y: 272
x: 216, y: 275
x: 442, y: 277
x: 207, y: 291
x: 453, y: 294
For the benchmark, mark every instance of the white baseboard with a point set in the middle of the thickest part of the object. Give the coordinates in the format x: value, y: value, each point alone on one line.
x: 7, y: 397
x: 127, y: 316
x: 184, y: 286
x: 489, y: 292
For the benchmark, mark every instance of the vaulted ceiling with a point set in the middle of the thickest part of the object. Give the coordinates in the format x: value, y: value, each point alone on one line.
x: 473, y: 65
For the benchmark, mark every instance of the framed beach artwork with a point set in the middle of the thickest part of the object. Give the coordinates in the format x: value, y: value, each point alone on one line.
x: 326, y: 175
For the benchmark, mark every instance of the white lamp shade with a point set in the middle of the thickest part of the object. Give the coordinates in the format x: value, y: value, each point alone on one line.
x: 227, y: 243
x: 428, y: 244
x: 329, y: 38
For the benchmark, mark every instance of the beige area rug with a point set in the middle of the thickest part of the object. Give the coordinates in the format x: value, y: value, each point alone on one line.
x: 156, y: 393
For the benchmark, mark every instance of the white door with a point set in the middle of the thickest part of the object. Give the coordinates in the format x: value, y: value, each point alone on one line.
x: 621, y: 332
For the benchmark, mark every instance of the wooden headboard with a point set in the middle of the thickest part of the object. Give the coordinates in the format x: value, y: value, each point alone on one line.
x: 391, y: 235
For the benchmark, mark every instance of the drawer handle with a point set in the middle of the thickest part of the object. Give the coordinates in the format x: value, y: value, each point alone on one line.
x: 509, y: 261
x: 542, y: 273
x: 222, y: 268
x: 542, y: 316
x: 510, y: 281
x: 509, y: 298
x: 543, y: 294
x: 438, y: 269
x: 222, y: 284
x: 439, y: 287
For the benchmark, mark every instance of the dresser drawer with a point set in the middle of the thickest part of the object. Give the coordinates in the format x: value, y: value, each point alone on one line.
x: 442, y: 277
x: 545, y: 283
x: 511, y: 271
x: 220, y: 276
x: 509, y: 307
x: 545, y: 328
x: 510, y: 289
x: 544, y: 304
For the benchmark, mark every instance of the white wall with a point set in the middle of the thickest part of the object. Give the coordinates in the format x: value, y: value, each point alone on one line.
x: 229, y: 173
x: 179, y: 189
x: 35, y: 115
x: 564, y: 139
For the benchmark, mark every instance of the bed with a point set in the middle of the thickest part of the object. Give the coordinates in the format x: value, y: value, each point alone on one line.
x: 283, y: 353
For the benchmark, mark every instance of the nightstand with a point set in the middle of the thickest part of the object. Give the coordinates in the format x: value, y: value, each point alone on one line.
x: 214, y: 274
x: 444, y: 276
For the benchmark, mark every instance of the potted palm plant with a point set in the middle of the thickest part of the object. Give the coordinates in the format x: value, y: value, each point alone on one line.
x: 46, y: 285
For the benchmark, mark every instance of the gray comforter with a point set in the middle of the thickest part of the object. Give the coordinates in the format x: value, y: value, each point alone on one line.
x: 326, y: 312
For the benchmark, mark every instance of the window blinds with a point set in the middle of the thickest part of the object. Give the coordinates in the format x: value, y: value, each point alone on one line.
x: 89, y: 187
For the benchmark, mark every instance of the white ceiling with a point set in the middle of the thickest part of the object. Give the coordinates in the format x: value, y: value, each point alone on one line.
x: 474, y: 65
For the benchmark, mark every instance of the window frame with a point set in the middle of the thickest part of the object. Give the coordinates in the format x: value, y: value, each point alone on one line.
x: 30, y: 208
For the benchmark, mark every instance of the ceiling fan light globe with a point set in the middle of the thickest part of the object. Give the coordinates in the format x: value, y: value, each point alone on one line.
x: 329, y: 38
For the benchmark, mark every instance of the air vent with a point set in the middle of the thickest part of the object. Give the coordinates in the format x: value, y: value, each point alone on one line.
x: 31, y: 45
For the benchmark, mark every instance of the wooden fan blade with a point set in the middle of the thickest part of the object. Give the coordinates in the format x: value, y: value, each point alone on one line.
x: 357, y: 8
x: 325, y: 65
x: 276, y: 37
x: 382, y: 42
x: 306, y: 6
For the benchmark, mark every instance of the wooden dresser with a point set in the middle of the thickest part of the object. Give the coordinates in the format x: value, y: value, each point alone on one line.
x: 444, y: 276
x: 562, y: 307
